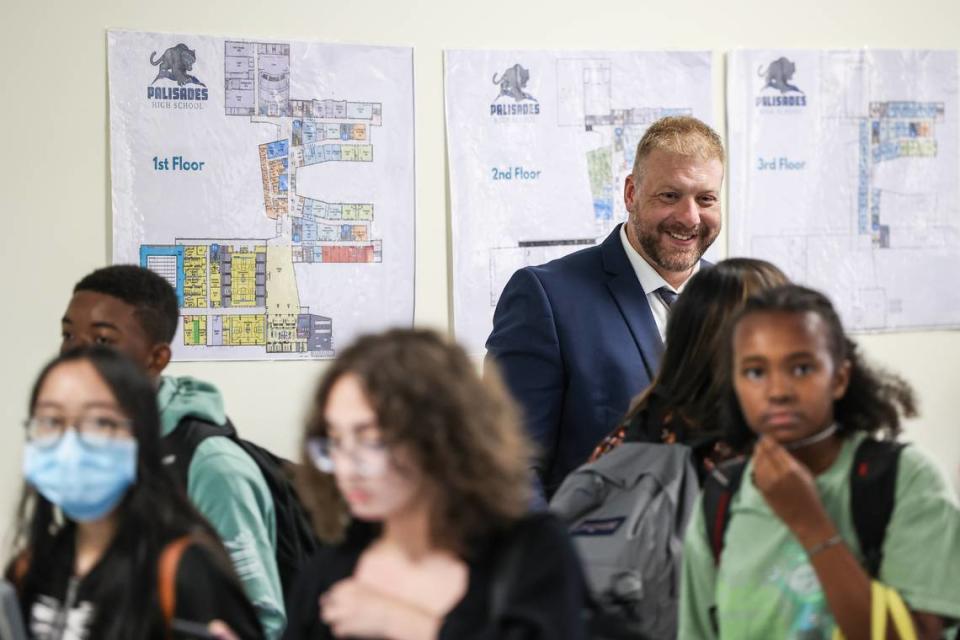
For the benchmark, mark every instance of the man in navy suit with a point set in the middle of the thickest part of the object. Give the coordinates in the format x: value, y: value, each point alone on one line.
x: 576, y: 338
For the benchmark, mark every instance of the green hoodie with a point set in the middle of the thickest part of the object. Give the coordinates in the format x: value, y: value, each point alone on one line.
x: 226, y: 486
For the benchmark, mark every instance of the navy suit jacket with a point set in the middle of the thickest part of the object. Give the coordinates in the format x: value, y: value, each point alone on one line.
x: 575, y: 340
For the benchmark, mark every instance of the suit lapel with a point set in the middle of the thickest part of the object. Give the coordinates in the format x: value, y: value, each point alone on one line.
x: 632, y: 301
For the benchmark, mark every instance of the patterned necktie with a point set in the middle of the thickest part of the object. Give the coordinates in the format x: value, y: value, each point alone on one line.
x: 667, y: 296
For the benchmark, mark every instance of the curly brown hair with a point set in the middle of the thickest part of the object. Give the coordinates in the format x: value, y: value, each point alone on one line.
x: 462, y: 431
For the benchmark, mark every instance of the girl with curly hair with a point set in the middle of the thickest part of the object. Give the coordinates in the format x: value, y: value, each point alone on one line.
x: 799, y: 557
x: 418, y: 468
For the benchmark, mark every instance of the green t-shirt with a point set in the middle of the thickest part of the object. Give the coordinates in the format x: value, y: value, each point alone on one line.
x: 766, y: 588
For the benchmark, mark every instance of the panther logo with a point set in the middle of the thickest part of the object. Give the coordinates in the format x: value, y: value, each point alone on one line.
x: 778, y: 74
x: 175, y: 64
x: 512, y: 83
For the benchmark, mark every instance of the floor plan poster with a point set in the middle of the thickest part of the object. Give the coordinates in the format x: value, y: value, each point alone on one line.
x: 271, y: 182
x: 539, y: 144
x: 843, y: 171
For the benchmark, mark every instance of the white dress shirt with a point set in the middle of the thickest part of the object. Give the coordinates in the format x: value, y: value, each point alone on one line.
x: 650, y: 280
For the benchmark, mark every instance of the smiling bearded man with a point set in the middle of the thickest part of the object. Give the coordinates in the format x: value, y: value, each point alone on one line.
x: 578, y: 337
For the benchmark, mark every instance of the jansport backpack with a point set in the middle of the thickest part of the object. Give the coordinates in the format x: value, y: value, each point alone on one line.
x: 296, y: 541
x: 627, y: 512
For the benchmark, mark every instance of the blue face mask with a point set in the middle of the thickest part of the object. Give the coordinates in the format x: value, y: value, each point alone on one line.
x: 85, y: 482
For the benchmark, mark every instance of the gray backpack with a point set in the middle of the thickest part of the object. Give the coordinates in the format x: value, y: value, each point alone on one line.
x: 627, y: 513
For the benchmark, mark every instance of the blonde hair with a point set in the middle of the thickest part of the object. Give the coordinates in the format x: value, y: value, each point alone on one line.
x: 681, y: 135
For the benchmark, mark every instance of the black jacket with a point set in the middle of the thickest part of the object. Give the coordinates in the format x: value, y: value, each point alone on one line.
x: 543, y: 602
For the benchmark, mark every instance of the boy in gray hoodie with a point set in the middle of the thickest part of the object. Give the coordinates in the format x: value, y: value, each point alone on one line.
x: 136, y: 311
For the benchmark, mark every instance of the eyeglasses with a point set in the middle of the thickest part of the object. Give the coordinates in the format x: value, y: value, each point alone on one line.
x: 369, y: 458
x: 92, y: 430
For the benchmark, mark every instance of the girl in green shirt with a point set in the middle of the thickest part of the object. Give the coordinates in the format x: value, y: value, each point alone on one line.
x: 791, y: 563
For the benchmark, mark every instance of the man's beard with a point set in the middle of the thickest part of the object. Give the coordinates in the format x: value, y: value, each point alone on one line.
x: 671, y: 259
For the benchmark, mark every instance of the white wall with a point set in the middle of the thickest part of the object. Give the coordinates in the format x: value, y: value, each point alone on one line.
x: 54, y: 164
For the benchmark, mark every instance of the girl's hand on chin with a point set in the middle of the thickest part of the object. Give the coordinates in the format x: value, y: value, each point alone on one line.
x: 788, y: 487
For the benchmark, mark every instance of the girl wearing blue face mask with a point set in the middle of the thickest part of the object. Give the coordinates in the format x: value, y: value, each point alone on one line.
x: 99, y: 512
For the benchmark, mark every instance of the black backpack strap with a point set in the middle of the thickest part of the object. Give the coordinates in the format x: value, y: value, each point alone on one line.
x: 296, y: 540
x: 718, y: 490
x: 179, y: 445
x: 873, y: 486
